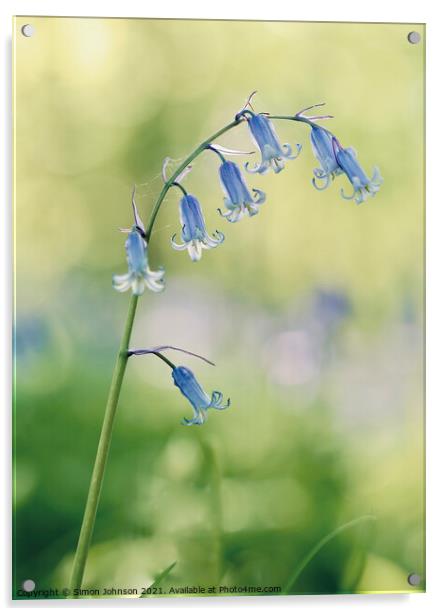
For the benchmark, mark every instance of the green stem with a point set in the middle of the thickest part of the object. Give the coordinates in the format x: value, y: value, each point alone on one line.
x: 165, y: 359
x: 95, y: 487
x: 182, y: 167
x: 294, y: 119
x: 317, y: 548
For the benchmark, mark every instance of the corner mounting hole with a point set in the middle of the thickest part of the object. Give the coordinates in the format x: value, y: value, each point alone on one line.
x: 27, y: 30
x: 414, y: 38
x: 28, y: 585
x: 414, y: 579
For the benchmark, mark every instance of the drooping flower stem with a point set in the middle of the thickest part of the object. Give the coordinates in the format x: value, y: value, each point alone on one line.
x: 93, y: 497
x: 201, y: 148
x: 295, y: 118
x: 238, y: 198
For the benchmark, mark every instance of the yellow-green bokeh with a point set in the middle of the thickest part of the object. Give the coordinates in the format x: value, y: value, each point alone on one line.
x: 327, y: 415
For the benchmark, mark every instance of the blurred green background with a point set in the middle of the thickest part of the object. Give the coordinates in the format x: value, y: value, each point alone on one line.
x: 312, y: 310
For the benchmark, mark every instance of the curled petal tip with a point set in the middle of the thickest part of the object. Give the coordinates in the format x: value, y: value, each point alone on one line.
x: 347, y: 197
x: 326, y: 179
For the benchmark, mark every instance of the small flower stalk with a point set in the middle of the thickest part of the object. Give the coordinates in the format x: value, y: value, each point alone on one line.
x: 238, y: 199
x: 201, y: 402
x: 194, y: 234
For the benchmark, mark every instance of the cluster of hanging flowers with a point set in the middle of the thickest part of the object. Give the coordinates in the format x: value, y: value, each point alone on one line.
x: 240, y: 201
x: 335, y: 160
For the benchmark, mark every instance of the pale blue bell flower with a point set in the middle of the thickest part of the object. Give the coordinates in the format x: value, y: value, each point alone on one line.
x: 139, y: 275
x: 273, y: 153
x: 194, y: 233
x: 323, y: 149
x: 238, y: 199
x: 201, y: 402
x: 363, y: 187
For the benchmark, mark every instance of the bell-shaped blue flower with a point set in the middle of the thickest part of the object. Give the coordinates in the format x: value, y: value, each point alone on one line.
x: 201, y: 402
x: 238, y: 199
x: 273, y: 153
x: 363, y: 187
x: 322, y: 145
x: 139, y: 275
x: 194, y: 233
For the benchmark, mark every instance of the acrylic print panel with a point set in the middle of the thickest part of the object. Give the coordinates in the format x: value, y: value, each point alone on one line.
x: 181, y: 188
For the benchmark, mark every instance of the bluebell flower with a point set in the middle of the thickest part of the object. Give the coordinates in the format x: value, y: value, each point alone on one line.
x: 331, y: 307
x: 323, y: 149
x: 273, y: 153
x: 139, y: 275
x: 238, y: 199
x: 201, y: 402
x: 194, y: 233
x: 363, y: 187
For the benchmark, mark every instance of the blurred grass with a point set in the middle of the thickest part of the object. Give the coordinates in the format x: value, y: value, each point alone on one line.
x: 318, y: 547
x: 327, y: 416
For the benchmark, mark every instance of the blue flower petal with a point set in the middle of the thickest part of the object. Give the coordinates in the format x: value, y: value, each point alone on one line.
x: 185, y: 380
x: 139, y: 274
